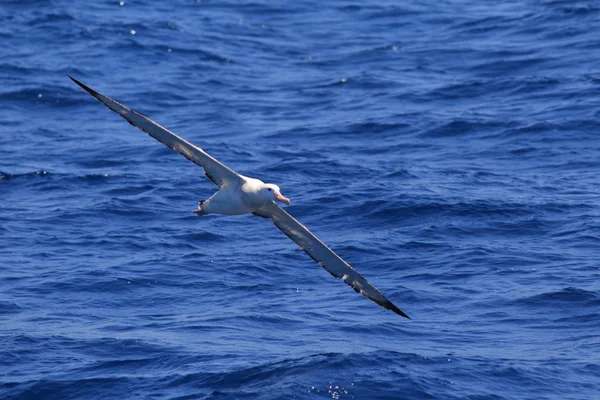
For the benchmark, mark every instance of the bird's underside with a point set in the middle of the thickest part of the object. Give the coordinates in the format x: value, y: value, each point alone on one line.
x: 239, y: 195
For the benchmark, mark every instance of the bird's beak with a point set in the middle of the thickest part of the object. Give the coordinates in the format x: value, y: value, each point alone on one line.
x: 282, y: 199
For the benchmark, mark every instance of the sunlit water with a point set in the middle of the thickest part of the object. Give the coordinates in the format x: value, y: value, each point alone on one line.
x: 448, y: 150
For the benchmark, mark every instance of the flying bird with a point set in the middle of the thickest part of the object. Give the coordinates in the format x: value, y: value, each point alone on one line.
x: 239, y: 194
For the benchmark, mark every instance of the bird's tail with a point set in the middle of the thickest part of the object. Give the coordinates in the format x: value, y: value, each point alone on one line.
x: 200, y: 211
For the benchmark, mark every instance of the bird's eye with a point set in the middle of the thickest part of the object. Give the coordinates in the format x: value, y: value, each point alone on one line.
x: 270, y: 189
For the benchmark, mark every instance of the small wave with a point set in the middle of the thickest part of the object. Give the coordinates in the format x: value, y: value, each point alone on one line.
x: 423, y: 207
x: 462, y: 127
x: 201, y: 54
x: 49, y: 95
x: 579, y: 9
x: 588, y: 319
x: 373, y: 128
x: 52, y: 19
x: 567, y: 297
x: 201, y: 237
x: 494, y: 68
x: 9, y: 307
x: 5, y: 176
x: 467, y: 89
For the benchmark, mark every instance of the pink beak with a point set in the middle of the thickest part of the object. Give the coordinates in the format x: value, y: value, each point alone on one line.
x: 282, y: 199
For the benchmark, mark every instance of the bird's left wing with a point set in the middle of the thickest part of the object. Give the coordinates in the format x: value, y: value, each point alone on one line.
x: 323, y: 255
x: 217, y: 172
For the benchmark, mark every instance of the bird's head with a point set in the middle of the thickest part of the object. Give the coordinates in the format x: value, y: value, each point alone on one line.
x: 272, y: 192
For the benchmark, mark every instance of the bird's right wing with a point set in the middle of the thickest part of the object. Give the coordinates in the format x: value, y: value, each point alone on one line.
x: 323, y: 255
x: 217, y: 172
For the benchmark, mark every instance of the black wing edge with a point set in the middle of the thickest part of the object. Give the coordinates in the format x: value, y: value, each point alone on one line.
x: 388, y: 305
x: 95, y: 95
x: 87, y: 89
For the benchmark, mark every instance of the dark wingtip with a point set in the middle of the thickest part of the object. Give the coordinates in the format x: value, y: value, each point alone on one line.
x: 395, y: 309
x: 75, y: 80
x: 87, y: 89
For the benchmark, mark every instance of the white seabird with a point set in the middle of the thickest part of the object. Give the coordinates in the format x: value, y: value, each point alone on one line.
x: 239, y: 194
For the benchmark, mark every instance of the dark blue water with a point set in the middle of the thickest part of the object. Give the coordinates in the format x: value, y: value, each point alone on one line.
x: 449, y: 150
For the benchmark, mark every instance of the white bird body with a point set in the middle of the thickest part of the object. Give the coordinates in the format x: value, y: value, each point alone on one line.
x: 235, y: 199
x: 240, y: 194
x: 229, y: 200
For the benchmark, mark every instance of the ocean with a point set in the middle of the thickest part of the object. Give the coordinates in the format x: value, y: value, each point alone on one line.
x: 448, y: 150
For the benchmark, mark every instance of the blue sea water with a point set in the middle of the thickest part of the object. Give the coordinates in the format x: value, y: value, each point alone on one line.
x: 448, y: 150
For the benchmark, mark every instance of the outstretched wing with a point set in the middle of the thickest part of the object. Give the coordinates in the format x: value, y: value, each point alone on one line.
x: 323, y: 255
x: 218, y: 173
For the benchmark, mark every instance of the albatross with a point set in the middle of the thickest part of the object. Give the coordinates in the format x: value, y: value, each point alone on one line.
x: 239, y: 194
